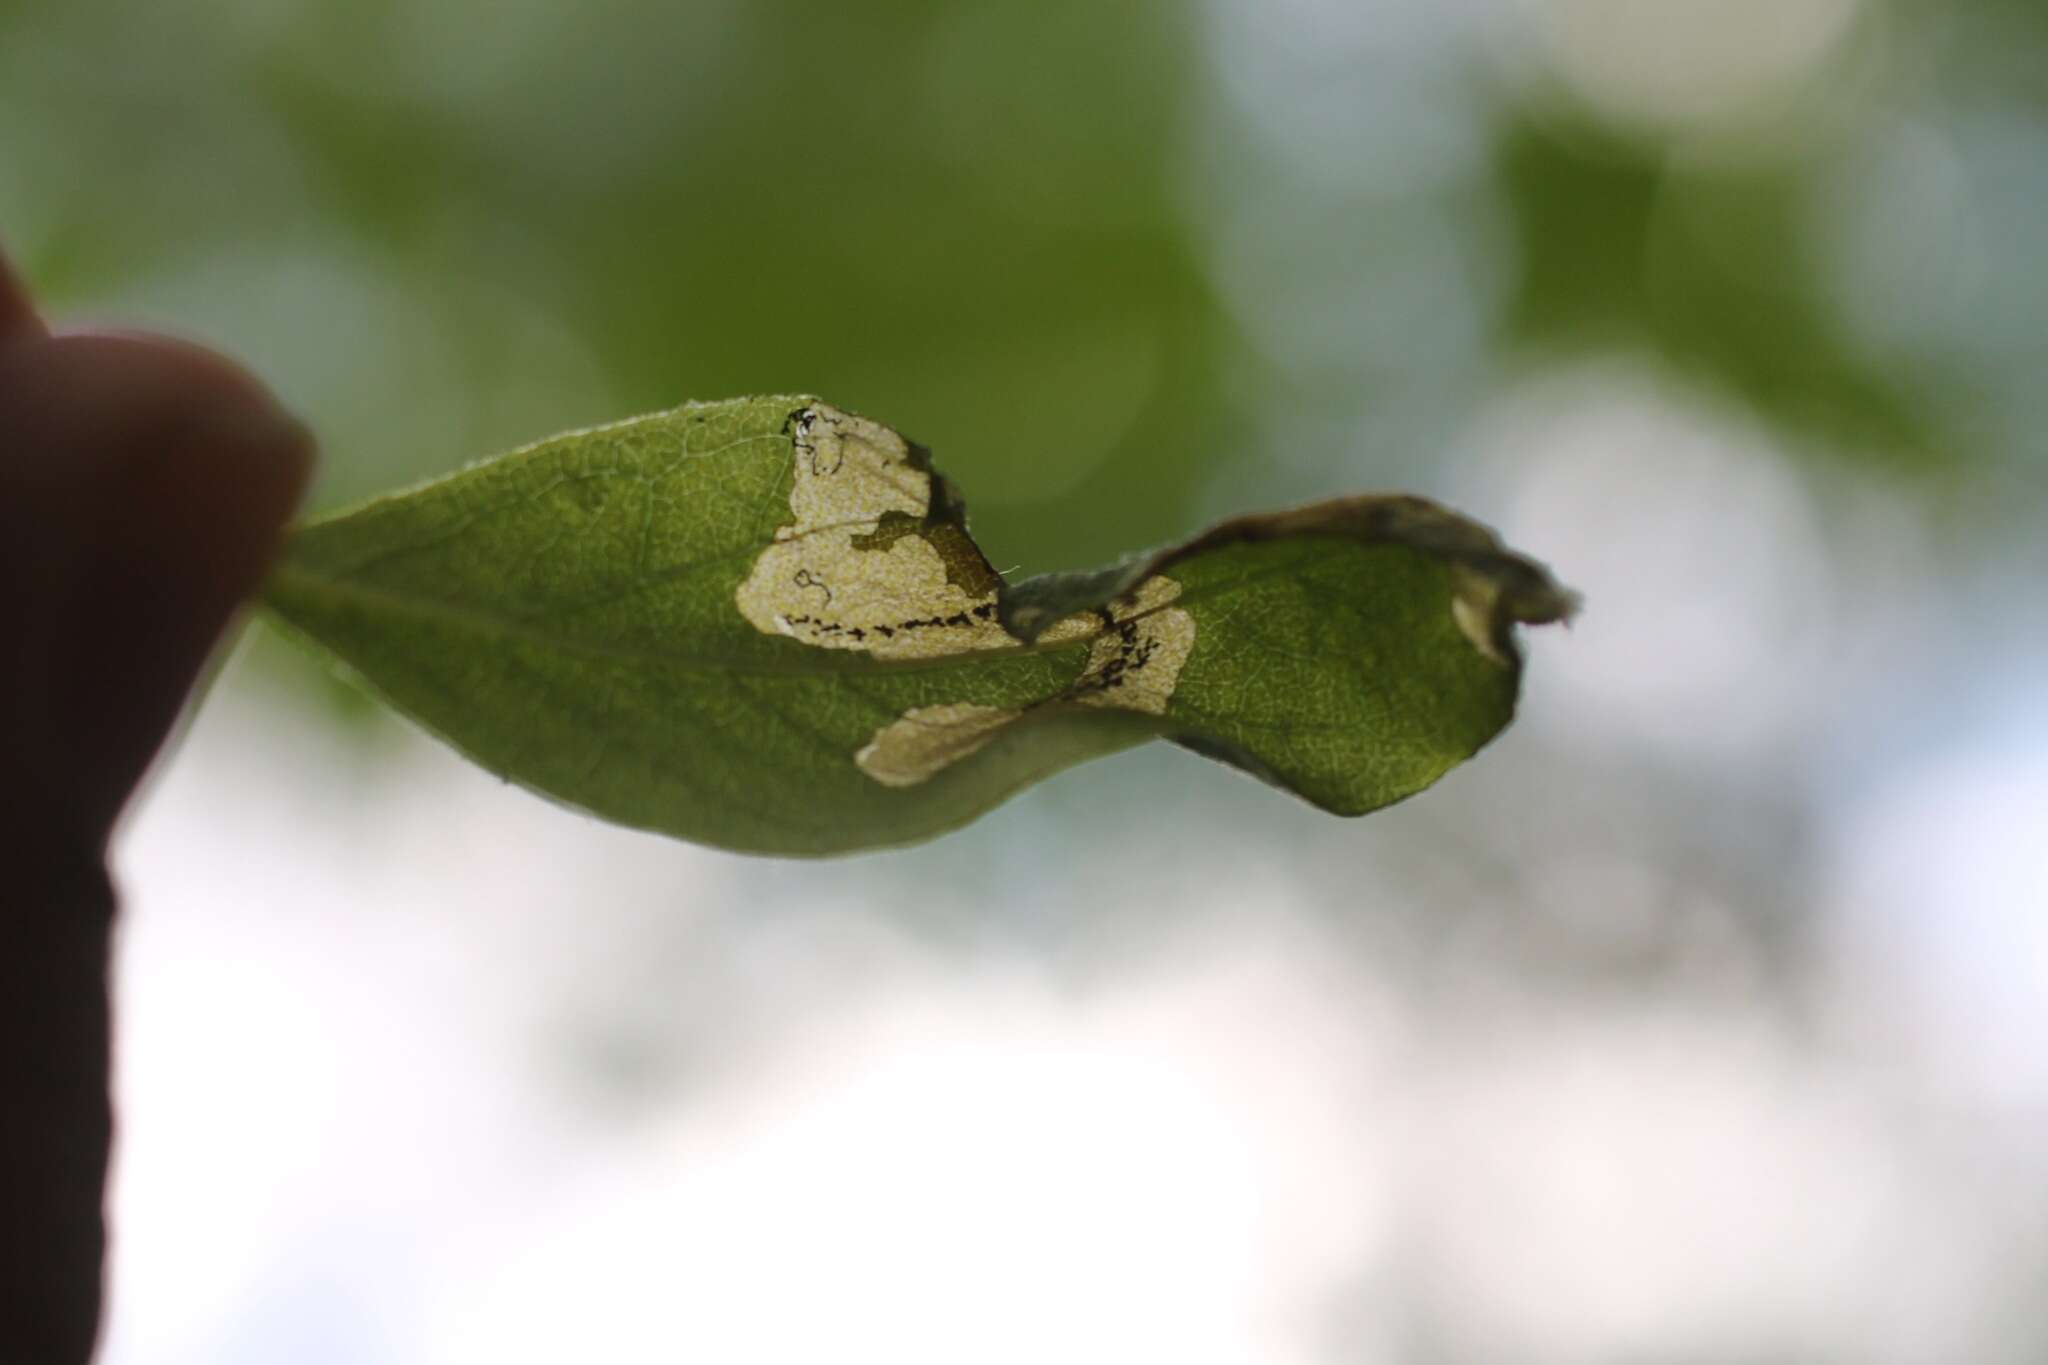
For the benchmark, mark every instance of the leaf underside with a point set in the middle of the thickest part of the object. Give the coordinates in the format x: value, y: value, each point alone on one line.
x: 762, y: 624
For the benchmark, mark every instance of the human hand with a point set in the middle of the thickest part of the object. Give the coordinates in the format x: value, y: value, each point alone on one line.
x: 144, y: 484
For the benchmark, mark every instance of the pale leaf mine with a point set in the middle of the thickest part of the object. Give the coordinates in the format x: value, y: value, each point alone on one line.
x: 856, y: 568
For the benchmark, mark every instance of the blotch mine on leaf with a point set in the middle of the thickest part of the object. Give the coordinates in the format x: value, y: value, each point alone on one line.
x: 1134, y: 661
x: 925, y: 739
x: 867, y: 562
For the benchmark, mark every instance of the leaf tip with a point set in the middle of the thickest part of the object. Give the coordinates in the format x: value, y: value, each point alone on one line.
x: 1493, y: 595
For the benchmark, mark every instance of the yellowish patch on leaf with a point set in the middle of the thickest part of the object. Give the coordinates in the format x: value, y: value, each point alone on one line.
x: 905, y: 752
x: 1136, y: 663
x: 864, y: 564
x: 857, y: 567
x: 1133, y: 664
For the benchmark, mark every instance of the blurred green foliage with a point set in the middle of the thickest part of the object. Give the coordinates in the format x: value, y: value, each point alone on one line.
x: 1094, y: 256
x: 1705, y: 267
x: 961, y: 219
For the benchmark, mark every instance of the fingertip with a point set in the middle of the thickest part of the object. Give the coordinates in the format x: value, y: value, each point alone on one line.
x: 180, y: 431
x: 162, y: 475
x: 216, y: 499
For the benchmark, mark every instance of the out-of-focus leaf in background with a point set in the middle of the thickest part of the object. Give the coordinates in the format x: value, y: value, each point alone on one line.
x: 1623, y: 243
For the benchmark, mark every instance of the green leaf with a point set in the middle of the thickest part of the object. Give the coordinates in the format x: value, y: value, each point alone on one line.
x: 762, y: 624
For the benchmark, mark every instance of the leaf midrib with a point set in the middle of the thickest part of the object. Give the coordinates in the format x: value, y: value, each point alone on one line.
x: 842, y: 662
x: 812, y: 662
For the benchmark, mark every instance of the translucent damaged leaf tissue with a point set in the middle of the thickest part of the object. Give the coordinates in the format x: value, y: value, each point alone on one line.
x: 762, y: 624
